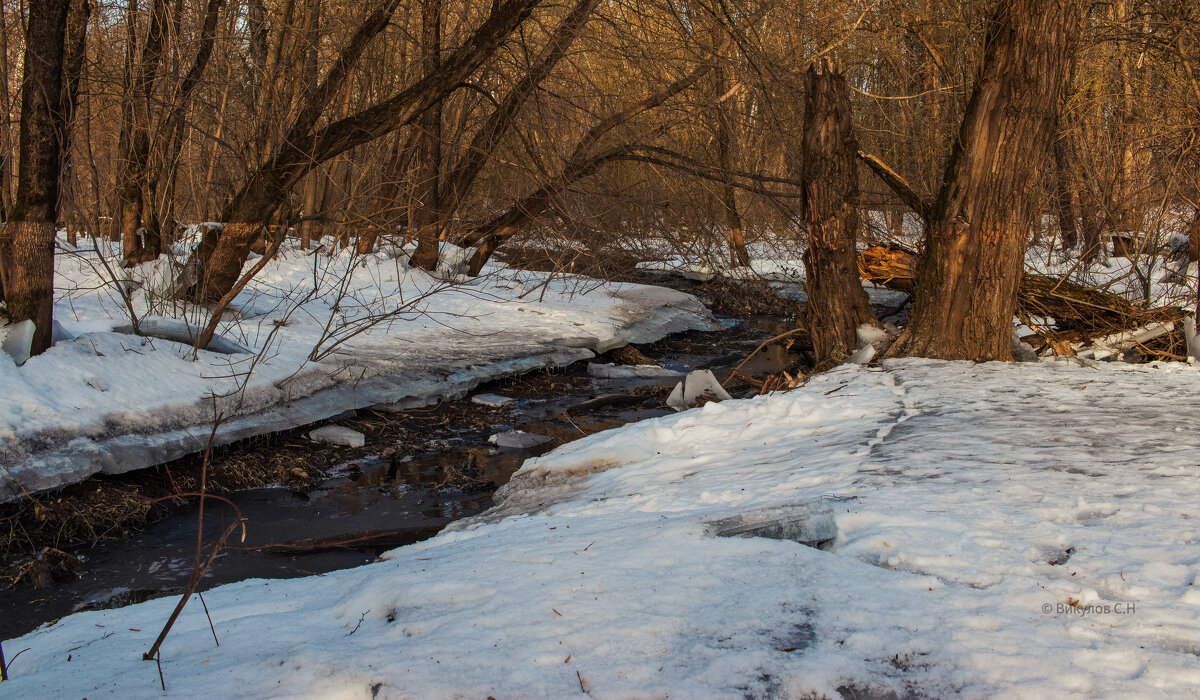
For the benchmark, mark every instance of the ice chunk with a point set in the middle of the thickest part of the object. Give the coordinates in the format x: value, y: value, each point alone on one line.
x: 697, y: 383
x: 493, y: 400
x: 18, y: 340
x: 1190, y: 335
x: 59, y: 334
x: 518, y: 439
x: 604, y: 371
x: 1022, y: 351
x: 861, y: 356
x: 338, y: 435
x: 870, y: 335
x: 809, y: 524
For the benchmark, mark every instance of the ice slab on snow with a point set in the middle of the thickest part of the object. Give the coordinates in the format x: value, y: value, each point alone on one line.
x: 18, y: 339
x: 338, y: 435
x: 182, y: 332
x: 809, y: 524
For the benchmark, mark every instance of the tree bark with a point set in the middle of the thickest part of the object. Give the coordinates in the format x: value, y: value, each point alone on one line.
x: 837, y: 304
x: 976, y: 233
x: 29, y: 294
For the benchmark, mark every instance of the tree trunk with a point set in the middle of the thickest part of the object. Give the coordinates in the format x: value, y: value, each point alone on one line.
x: 1064, y: 196
x: 976, y: 234
x: 726, y: 146
x: 424, y: 213
x: 29, y: 293
x: 133, y: 177
x: 837, y: 304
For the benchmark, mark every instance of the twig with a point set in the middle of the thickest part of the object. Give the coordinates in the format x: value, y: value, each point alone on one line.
x: 4, y: 667
x: 360, y: 621
x: 161, y: 681
x: 206, y: 614
x: 193, y: 584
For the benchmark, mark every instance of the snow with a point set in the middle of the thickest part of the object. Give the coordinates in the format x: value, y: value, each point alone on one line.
x: 1001, y: 529
x: 327, y: 334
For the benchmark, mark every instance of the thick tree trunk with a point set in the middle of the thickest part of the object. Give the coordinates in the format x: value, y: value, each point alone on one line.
x: 976, y: 233
x: 29, y: 294
x: 837, y: 304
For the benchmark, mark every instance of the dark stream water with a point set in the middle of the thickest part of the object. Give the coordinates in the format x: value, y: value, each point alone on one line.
x: 395, y: 495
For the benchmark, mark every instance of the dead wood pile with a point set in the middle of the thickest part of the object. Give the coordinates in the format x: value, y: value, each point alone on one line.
x: 1079, y: 314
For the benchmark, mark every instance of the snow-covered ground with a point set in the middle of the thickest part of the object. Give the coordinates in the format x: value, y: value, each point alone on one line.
x: 1019, y: 530
x: 326, y: 335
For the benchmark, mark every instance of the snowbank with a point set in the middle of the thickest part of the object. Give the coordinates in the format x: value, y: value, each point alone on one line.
x: 1018, y: 530
x: 380, y: 334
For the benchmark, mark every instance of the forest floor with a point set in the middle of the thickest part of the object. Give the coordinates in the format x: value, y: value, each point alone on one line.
x: 999, y: 529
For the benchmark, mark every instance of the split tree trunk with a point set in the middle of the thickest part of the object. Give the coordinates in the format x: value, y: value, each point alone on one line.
x: 976, y: 232
x: 139, y: 235
x: 837, y: 304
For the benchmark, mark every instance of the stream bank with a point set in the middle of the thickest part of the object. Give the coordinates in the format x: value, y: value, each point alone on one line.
x: 335, y: 507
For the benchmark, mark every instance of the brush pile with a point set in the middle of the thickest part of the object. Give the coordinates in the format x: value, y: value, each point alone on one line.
x: 1065, y: 316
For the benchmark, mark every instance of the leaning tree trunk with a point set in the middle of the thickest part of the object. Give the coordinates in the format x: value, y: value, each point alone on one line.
x: 976, y: 232
x: 837, y: 304
x: 29, y: 293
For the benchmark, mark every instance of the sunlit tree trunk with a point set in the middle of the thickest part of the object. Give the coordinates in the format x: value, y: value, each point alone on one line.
x: 977, y: 229
x: 837, y: 304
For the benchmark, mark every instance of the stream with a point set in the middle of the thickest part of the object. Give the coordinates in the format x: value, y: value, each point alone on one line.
x: 417, y: 473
